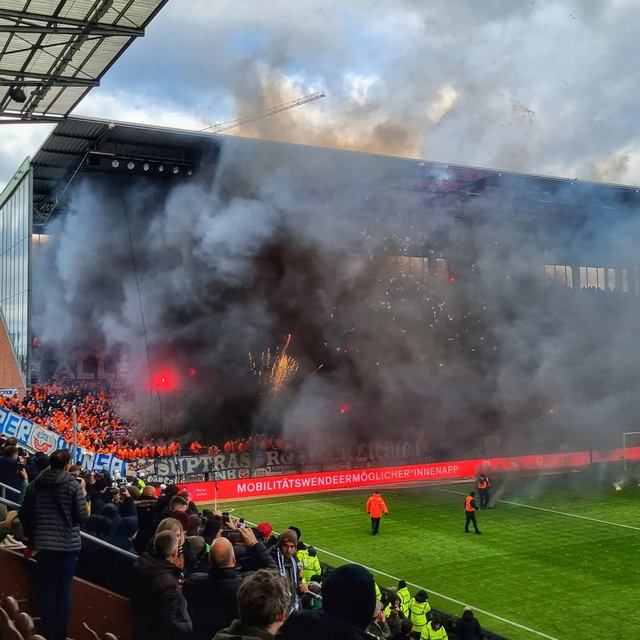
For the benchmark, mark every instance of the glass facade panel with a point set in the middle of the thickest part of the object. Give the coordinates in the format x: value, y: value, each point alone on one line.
x: 15, y: 224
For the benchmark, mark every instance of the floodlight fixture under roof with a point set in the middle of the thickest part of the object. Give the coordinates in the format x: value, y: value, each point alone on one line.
x: 17, y: 94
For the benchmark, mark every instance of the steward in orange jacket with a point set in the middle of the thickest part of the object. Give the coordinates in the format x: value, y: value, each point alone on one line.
x: 376, y: 508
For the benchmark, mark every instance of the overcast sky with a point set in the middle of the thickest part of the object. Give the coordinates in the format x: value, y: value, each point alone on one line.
x: 541, y: 86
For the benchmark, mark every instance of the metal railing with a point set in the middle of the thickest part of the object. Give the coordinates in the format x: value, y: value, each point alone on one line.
x: 5, y: 487
x: 83, y: 535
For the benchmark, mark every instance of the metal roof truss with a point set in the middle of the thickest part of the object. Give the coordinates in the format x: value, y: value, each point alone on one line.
x: 55, y: 51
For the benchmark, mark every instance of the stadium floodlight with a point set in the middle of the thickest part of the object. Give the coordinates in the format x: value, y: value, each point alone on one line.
x: 17, y: 94
x: 189, y: 172
x: 160, y: 168
x: 131, y: 165
x: 145, y: 166
x: 115, y: 163
x: 176, y: 170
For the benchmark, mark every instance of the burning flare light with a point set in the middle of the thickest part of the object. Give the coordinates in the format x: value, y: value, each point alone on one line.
x: 274, y: 369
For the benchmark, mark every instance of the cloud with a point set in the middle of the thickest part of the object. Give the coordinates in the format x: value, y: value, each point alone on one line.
x: 17, y: 141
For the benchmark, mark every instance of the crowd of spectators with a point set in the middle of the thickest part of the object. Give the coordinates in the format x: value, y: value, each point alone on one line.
x: 196, y: 575
x: 101, y: 429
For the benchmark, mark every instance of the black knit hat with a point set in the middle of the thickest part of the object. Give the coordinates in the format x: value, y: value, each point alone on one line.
x: 349, y: 594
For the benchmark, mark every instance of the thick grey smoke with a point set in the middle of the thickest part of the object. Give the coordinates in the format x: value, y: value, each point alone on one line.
x: 280, y: 239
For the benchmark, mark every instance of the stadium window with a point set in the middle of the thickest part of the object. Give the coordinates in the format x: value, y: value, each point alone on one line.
x: 600, y: 275
x: 625, y: 281
x: 583, y: 278
x: 611, y: 273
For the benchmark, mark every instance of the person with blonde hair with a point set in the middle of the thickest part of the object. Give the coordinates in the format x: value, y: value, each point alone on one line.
x: 171, y: 524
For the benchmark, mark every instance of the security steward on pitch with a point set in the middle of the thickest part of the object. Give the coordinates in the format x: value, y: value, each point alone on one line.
x: 484, y: 488
x: 470, y: 507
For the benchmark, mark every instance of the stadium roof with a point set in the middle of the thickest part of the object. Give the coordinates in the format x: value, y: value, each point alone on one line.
x: 87, y: 144
x: 55, y: 51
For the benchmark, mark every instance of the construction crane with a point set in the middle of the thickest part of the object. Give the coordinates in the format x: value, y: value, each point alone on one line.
x: 231, y: 124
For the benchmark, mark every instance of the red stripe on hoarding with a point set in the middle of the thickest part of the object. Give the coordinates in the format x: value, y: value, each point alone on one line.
x: 415, y: 473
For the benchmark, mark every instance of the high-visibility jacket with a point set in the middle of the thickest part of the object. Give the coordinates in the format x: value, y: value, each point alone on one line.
x: 310, y: 567
x: 469, y: 503
x: 429, y: 633
x: 378, y: 594
x: 405, y: 599
x: 376, y: 506
x: 484, y: 483
x: 418, y: 614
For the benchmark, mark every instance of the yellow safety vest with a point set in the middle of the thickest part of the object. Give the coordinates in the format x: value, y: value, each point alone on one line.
x: 405, y: 599
x: 310, y: 567
x: 378, y: 594
x: 418, y: 614
x: 428, y: 633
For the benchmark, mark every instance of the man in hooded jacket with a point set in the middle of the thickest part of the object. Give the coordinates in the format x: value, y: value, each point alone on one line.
x: 53, y: 510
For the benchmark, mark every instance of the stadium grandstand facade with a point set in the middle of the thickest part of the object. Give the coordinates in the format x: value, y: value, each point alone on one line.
x: 52, y: 53
x: 551, y: 208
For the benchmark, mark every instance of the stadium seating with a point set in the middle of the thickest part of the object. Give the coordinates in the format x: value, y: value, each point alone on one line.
x: 102, y: 430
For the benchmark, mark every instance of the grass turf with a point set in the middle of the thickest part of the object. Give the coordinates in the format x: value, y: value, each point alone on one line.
x: 557, y: 575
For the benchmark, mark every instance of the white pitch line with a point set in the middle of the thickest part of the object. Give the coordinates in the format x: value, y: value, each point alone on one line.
x: 440, y: 595
x: 265, y: 505
x: 560, y: 513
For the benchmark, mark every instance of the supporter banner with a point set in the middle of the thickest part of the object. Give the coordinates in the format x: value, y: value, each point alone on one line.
x: 8, y: 393
x: 224, y: 466
x: 417, y: 473
x: 260, y: 463
x: 38, y: 438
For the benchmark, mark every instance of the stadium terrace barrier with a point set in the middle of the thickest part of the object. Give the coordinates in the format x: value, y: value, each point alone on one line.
x: 415, y: 473
x: 103, y: 610
x: 36, y: 437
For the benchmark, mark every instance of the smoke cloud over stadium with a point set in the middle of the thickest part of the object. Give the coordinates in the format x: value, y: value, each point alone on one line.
x: 290, y: 241
x: 278, y: 240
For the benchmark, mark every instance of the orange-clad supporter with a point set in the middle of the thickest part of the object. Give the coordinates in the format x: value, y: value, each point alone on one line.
x: 101, y: 429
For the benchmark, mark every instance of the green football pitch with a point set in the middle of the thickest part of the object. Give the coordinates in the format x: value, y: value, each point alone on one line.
x: 555, y: 560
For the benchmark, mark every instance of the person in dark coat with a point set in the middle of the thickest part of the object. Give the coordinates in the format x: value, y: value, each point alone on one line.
x: 467, y: 626
x: 159, y: 608
x: 125, y: 534
x: 127, y: 505
x: 146, y: 513
x: 348, y: 600
x: 404, y: 633
x: 211, y: 596
x: 53, y: 510
x: 97, y: 492
x: 177, y: 509
x: 163, y: 501
x: 263, y: 603
x: 12, y: 473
